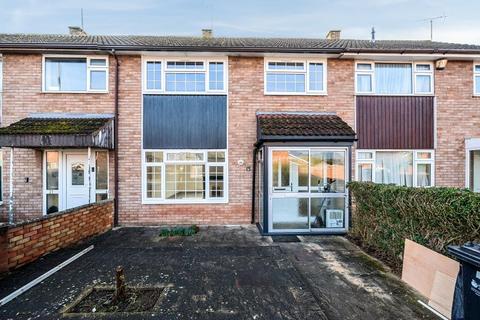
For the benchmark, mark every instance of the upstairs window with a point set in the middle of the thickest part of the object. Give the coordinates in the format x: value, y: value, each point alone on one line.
x: 476, y: 79
x: 75, y: 74
x: 295, y: 77
x: 190, y: 77
x: 394, y: 78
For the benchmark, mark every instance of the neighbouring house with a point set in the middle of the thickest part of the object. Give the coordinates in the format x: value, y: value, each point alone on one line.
x: 214, y: 130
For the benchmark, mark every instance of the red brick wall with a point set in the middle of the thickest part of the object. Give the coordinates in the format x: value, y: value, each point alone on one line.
x: 26, y: 242
x: 245, y: 97
x: 458, y: 118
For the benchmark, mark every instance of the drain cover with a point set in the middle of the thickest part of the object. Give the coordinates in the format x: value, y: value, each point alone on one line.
x: 285, y: 239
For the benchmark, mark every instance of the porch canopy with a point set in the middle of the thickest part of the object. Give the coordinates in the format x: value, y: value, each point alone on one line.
x: 59, y: 131
x: 302, y: 126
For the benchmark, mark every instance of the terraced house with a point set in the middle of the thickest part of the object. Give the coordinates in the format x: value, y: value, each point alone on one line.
x: 207, y: 130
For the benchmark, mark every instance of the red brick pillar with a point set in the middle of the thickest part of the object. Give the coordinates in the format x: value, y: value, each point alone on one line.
x: 3, y: 249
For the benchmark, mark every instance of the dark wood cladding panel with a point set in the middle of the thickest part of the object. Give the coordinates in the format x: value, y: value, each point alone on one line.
x: 395, y: 122
x: 184, y: 122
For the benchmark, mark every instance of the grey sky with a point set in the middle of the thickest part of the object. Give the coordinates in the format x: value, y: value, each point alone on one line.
x: 393, y: 19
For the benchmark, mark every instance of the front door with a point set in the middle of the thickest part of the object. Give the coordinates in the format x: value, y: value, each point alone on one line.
x: 307, y: 189
x: 77, y: 190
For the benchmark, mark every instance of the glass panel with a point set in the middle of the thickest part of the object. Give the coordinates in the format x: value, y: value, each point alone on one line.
x: 98, y: 62
x: 101, y: 166
x: 424, y: 175
x: 327, y: 171
x: 215, y: 76
x: 66, y: 74
x: 285, y: 65
x: 477, y: 68
x: 475, y: 170
x: 423, y: 83
x: 423, y: 67
x: 365, y: 172
x: 364, y: 66
x: 185, y: 82
x: 477, y: 84
x: 365, y: 155
x: 98, y: 80
x: 78, y: 174
x: 101, y: 196
x: 290, y: 213
x: 327, y: 213
x: 185, y: 181
x: 216, y: 182
x: 154, y: 75
x: 52, y: 170
x: 424, y: 155
x: 216, y: 156
x: 290, y: 171
x: 154, y: 156
x: 185, y: 156
x: 185, y: 65
x: 393, y: 78
x: 52, y: 203
x: 285, y: 82
x: 364, y: 83
x: 154, y: 181
x: 316, y: 76
x: 394, y: 167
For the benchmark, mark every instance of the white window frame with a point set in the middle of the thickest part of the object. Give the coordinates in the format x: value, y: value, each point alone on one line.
x: 89, y: 68
x: 205, y: 70
x: 475, y: 75
x: 472, y: 144
x: 204, y: 162
x: 414, y: 92
x: 305, y: 71
x: 94, y: 182
x: 415, y: 159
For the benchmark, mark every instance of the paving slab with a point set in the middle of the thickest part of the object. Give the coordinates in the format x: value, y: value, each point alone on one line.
x: 220, y: 273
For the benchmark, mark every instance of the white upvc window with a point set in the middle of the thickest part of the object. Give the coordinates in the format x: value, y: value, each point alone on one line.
x: 394, y: 78
x: 411, y: 168
x: 476, y: 79
x: 185, y: 176
x: 75, y: 74
x: 180, y: 76
x: 295, y: 77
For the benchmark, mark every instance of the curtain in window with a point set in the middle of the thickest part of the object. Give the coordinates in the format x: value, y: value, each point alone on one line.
x: 393, y: 78
x: 394, y: 167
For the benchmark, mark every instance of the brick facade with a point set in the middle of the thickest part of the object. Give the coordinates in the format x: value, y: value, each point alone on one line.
x: 26, y: 242
x: 457, y: 119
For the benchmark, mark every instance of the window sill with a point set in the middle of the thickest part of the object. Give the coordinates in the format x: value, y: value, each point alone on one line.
x: 395, y: 95
x: 295, y: 94
x: 186, y: 202
x: 216, y: 93
x: 77, y: 92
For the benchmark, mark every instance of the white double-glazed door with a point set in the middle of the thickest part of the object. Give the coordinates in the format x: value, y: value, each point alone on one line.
x: 308, y: 189
x: 77, y: 184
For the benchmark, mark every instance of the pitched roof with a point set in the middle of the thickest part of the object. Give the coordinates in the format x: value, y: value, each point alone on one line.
x: 287, y: 125
x: 223, y: 44
x: 40, y: 126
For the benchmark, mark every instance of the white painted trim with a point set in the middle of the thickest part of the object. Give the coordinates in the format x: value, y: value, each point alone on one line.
x: 415, y: 162
x: 471, y: 144
x: 309, y: 194
x: 89, y: 68
x: 205, y: 70
x: 204, y: 162
x: 475, y: 75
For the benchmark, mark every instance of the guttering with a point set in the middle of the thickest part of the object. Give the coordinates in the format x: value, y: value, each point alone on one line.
x: 115, y: 138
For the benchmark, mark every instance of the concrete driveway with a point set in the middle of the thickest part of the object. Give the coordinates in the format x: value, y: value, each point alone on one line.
x: 221, y: 273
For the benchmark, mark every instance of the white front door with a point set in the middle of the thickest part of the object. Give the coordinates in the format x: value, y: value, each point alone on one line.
x: 77, y: 191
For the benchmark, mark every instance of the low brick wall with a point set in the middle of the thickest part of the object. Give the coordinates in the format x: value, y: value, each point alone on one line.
x: 27, y: 241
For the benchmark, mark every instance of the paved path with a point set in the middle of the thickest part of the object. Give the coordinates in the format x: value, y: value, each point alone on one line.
x: 222, y: 273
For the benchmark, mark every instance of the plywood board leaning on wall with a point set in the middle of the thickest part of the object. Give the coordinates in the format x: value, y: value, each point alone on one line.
x: 432, y: 274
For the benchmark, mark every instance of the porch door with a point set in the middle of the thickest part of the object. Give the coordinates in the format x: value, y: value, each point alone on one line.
x: 307, y: 189
x: 77, y: 190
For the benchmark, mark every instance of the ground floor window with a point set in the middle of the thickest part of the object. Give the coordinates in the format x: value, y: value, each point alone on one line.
x: 184, y: 176
x: 472, y: 164
x: 411, y: 168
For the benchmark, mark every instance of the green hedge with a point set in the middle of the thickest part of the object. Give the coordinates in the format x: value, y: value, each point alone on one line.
x: 384, y: 215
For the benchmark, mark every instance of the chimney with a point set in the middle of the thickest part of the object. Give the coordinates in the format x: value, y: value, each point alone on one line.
x: 76, y: 31
x: 207, y: 33
x: 333, y: 34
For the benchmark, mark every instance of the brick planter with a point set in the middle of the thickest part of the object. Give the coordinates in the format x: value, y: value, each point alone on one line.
x: 27, y: 241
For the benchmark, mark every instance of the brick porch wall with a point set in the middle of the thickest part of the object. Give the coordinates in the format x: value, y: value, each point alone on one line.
x: 25, y: 242
x: 458, y: 118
